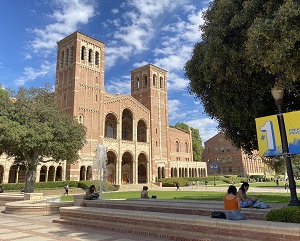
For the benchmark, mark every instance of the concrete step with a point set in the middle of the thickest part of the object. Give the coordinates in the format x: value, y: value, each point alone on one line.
x: 173, y: 226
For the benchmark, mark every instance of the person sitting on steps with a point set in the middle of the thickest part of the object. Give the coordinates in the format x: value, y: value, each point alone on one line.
x: 245, y: 201
x: 232, y: 205
x: 91, y: 193
x: 144, y: 193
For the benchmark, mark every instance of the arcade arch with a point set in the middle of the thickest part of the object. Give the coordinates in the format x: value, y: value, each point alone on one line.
x: 142, y: 168
x: 127, y: 167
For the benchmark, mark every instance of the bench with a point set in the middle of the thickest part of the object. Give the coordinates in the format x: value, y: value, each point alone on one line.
x: 174, y: 226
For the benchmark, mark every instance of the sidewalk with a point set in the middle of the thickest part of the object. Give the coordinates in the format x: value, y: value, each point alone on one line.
x: 41, y: 228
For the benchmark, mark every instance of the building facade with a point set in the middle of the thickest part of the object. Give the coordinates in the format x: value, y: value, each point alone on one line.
x: 134, y: 128
x: 220, y: 153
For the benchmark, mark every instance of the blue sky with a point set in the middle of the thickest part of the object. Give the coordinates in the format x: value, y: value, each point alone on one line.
x: 136, y: 32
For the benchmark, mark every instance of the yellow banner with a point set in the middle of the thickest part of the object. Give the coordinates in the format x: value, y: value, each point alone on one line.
x: 292, y: 127
x: 268, y: 134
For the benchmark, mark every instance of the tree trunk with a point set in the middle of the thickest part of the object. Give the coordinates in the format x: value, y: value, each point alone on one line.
x: 30, y: 178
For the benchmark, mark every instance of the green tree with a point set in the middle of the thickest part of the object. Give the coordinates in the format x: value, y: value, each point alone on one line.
x: 34, y: 130
x: 196, y: 139
x: 278, y: 164
x: 228, y: 71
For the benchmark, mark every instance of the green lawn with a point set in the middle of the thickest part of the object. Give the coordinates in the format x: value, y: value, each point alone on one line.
x: 191, y: 195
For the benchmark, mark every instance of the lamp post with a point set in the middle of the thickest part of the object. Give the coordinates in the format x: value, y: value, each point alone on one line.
x: 277, y: 94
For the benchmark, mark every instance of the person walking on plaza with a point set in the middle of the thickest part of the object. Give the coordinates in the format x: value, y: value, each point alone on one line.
x: 177, y: 186
x: 232, y: 205
x: 66, y: 190
x: 193, y: 184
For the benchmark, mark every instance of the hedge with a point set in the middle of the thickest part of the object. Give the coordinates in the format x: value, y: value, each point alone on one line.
x: 59, y: 184
x: 289, y: 214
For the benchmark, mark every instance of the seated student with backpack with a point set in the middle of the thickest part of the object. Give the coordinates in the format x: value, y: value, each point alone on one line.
x: 232, y: 205
x: 91, y: 193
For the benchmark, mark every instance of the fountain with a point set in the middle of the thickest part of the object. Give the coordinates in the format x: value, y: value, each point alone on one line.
x: 99, y: 166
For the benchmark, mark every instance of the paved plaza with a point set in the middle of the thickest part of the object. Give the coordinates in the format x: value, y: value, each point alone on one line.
x: 42, y: 228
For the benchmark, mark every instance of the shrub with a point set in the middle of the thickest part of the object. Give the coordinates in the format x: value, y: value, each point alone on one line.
x: 59, y: 184
x: 228, y: 179
x: 12, y: 186
x: 288, y: 214
x: 105, y: 185
x: 170, y: 182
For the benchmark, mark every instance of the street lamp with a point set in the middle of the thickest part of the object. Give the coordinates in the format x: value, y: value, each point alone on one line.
x: 277, y: 94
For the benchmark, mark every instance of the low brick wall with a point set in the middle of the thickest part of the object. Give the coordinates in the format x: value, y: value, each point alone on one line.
x: 29, y: 207
x: 10, y: 197
x: 181, y: 227
x: 191, y: 207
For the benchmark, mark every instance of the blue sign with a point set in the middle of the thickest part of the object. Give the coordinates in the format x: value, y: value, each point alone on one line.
x: 213, y: 166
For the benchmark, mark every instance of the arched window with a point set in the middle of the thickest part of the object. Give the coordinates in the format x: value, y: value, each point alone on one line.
x: 80, y: 119
x: 177, y: 146
x: 97, y: 58
x: 111, y: 126
x: 127, y: 125
x: 67, y: 57
x: 161, y: 81
x: 141, y: 131
x: 62, y: 56
x: 186, y: 147
x: 71, y: 55
x: 90, y: 55
x: 82, y: 52
x: 96, y: 98
x: 154, y: 80
x: 137, y: 83
x: 110, y: 131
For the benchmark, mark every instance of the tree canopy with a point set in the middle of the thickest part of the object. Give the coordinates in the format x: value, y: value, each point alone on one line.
x: 247, y: 47
x: 33, y: 129
x: 196, y: 139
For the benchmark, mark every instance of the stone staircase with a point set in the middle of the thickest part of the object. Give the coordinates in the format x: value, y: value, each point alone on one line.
x: 181, y: 220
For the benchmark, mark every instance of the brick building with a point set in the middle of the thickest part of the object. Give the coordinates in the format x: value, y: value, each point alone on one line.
x: 134, y: 128
x: 229, y: 159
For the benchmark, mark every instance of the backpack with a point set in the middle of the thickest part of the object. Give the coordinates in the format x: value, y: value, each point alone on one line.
x: 218, y: 214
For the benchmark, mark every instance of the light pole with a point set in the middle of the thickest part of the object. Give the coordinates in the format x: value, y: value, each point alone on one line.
x: 214, y: 178
x: 277, y: 94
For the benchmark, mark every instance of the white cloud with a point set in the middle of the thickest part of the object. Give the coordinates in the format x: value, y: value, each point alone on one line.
x: 178, y: 110
x: 30, y: 73
x: 28, y: 56
x: 115, y: 11
x: 206, y: 126
x: 69, y: 14
x: 138, y: 26
x: 66, y: 18
x: 176, y: 82
x: 173, y: 106
x: 119, y: 86
x: 140, y: 64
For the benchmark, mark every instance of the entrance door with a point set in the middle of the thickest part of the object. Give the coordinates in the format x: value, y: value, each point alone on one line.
x: 125, y: 176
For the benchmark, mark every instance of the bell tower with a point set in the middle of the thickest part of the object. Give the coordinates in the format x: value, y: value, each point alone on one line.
x: 149, y: 87
x: 80, y: 85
